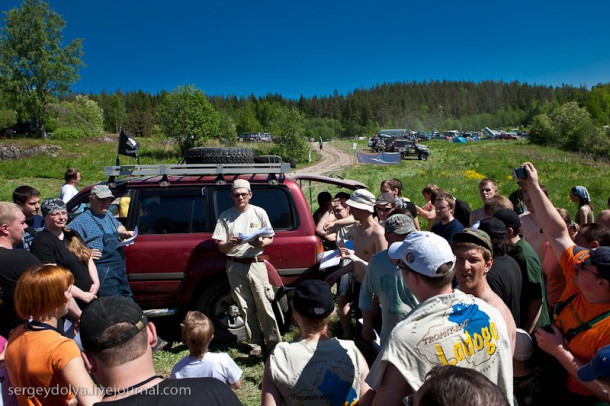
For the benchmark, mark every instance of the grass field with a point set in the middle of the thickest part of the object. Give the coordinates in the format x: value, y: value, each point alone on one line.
x: 457, y: 168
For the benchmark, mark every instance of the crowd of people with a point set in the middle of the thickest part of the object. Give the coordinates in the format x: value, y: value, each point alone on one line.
x: 492, y: 306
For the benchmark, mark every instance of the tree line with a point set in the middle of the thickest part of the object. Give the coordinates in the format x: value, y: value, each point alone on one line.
x: 36, y: 73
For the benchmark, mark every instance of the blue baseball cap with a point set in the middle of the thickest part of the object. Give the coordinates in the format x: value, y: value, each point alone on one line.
x: 599, y: 367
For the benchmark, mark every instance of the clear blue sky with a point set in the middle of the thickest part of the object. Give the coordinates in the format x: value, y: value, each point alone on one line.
x: 316, y: 47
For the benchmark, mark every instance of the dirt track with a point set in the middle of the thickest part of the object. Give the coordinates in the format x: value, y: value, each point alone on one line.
x: 332, y: 159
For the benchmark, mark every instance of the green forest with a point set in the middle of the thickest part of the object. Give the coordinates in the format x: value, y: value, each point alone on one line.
x: 37, y: 71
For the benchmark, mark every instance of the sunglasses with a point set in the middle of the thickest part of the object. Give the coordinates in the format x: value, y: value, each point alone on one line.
x: 240, y: 194
x: 383, y: 209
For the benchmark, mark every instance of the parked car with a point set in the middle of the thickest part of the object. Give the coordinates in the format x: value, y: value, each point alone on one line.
x: 248, y: 137
x: 379, y: 144
x: 409, y: 148
x: 18, y: 129
x: 175, y: 265
x: 508, y: 136
x: 264, y: 137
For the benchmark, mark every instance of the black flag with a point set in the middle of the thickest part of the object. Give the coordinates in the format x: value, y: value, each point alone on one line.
x: 128, y: 145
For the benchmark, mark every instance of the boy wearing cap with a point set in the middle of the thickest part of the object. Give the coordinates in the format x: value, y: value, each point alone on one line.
x: 473, y: 254
x: 533, y: 303
x: 447, y: 327
x: 102, y: 233
x: 383, y: 278
x: 581, y: 323
x: 117, y: 339
x: 317, y: 369
x: 246, y: 269
x: 504, y: 277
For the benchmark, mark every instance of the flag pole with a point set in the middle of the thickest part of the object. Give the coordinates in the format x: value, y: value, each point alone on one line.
x: 118, y: 149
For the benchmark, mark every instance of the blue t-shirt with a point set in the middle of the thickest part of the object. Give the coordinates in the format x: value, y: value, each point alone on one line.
x: 447, y: 231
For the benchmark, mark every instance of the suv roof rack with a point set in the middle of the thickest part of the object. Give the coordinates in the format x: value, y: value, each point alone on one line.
x: 271, y: 169
x: 197, y: 169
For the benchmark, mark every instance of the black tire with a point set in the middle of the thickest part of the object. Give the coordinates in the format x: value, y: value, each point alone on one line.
x: 423, y: 157
x: 215, y: 301
x: 219, y: 156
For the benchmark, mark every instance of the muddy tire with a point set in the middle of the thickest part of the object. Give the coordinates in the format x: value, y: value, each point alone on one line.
x: 423, y: 157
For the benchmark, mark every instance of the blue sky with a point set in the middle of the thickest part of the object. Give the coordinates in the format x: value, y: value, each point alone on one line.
x: 311, y: 48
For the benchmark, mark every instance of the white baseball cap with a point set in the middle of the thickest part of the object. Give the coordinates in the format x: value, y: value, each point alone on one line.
x: 362, y: 199
x: 423, y: 252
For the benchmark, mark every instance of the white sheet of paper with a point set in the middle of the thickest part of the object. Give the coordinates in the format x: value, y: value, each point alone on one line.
x: 263, y: 232
x: 129, y: 240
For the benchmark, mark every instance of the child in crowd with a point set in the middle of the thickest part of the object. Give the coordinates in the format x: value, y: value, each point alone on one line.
x: 197, y: 333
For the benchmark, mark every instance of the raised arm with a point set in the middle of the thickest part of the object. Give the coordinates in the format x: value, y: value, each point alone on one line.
x: 553, y: 226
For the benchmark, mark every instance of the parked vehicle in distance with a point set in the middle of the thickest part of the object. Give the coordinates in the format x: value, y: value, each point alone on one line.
x: 422, y: 136
x: 264, y: 137
x: 248, y: 137
x: 508, y: 136
x: 174, y: 265
x: 409, y: 148
x: 380, y: 143
x: 18, y: 129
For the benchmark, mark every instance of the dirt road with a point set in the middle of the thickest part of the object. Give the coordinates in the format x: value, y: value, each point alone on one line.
x: 332, y: 159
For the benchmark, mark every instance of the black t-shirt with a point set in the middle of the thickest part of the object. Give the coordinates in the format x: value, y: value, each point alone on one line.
x: 462, y: 212
x: 182, y: 392
x: 50, y: 249
x: 505, y: 280
x: 12, y: 265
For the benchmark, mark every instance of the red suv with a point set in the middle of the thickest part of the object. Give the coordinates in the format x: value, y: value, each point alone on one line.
x: 174, y: 264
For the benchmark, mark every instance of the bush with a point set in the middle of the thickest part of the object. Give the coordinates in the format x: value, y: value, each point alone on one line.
x: 67, y: 133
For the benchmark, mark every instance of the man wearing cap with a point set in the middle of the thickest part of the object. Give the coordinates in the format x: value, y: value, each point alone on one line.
x: 473, y: 252
x: 117, y: 339
x: 581, y: 324
x: 102, y: 233
x: 533, y: 303
x: 14, y: 263
x: 447, y: 327
x: 504, y: 277
x: 246, y: 269
x: 383, y: 278
x: 317, y: 369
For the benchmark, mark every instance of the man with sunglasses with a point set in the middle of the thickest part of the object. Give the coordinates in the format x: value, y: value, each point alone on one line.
x: 581, y: 324
x: 246, y: 269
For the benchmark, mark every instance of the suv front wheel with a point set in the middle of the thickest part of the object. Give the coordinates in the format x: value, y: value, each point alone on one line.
x: 216, y: 302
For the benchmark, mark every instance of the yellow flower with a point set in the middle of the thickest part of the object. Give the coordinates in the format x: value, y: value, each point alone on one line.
x: 472, y: 174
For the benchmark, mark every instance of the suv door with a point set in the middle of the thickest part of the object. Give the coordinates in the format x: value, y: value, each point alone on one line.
x: 174, y: 244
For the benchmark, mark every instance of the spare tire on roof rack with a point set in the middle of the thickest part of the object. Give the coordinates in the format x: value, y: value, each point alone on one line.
x: 202, y: 155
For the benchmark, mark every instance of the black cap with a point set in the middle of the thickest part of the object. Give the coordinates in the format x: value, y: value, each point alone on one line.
x: 495, y: 228
x: 313, y: 299
x: 509, y: 218
x: 105, y: 312
x: 598, y: 257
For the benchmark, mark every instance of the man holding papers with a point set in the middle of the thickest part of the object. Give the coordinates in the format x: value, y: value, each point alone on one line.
x: 246, y: 270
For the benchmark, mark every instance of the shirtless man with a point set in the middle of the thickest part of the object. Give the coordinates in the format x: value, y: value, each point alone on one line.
x: 368, y: 236
x: 369, y: 239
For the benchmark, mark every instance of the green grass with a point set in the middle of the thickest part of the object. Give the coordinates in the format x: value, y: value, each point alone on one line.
x: 458, y: 168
